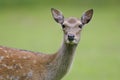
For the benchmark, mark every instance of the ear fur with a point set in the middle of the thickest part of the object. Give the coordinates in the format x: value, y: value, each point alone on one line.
x: 57, y: 15
x: 86, y: 17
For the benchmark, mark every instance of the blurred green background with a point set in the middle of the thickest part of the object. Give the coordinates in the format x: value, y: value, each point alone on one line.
x: 28, y: 24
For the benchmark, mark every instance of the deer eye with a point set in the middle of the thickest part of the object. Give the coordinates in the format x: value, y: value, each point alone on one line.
x: 63, y: 26
x: 80, y: 26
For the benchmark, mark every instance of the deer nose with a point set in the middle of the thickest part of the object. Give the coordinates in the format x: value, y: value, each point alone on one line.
x: 71, y: 37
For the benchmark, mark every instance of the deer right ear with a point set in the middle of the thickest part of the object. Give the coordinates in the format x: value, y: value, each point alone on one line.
x: 57, y: 15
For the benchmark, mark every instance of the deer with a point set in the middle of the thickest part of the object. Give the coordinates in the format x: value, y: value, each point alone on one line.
x: 18, y: 64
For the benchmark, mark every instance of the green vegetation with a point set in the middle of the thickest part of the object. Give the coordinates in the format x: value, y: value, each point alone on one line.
x: 28, y: 24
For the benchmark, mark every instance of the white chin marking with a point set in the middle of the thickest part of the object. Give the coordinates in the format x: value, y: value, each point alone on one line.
x: 71, y: 42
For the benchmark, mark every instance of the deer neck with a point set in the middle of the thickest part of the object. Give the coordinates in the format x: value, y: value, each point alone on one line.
x: 65, y: 55
x: 66, y: 51
x: 62, y: 61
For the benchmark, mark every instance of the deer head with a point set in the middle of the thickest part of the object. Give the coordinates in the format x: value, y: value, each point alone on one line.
x: 72, y: 26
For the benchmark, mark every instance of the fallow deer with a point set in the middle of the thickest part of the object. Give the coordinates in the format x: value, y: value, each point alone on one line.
x: 16, y: 64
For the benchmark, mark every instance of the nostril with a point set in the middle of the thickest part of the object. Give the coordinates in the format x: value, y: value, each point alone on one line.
x: 71, y: 37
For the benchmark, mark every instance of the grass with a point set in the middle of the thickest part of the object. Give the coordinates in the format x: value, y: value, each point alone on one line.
x: 98, y: 54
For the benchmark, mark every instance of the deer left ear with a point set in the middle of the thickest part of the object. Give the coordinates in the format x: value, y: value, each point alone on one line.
x: 86, y: 17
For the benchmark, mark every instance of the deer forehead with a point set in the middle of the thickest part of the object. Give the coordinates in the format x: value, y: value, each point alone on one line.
x: 72, y: 22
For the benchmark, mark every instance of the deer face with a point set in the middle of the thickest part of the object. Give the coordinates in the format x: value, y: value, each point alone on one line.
x: 72, y: 26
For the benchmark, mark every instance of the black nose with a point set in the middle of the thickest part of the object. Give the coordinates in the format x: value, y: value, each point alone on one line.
x: 71, y: 37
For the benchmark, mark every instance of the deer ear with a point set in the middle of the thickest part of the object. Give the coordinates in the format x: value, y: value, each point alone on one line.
x: 86, y: 17
x: 57, y: 15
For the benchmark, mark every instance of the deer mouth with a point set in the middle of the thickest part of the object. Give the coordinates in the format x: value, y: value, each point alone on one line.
x: 72, y: 41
